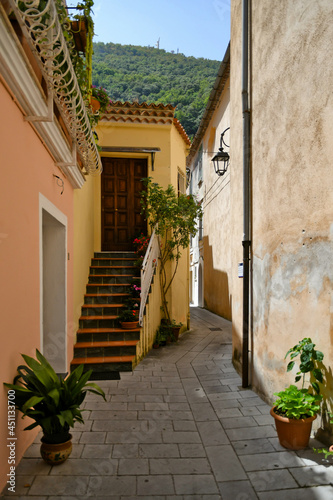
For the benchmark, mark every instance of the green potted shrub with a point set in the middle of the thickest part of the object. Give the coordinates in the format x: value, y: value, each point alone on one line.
x: 52, y: 402
x: 295, y: 409
x: 129, y: 317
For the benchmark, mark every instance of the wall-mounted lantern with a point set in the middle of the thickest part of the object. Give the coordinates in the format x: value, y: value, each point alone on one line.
x: 221, y: 159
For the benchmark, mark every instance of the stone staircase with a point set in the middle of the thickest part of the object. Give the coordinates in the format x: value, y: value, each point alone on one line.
x: 102, y: 345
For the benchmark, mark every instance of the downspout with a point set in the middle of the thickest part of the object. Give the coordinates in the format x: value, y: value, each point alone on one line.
x: 246, y: 191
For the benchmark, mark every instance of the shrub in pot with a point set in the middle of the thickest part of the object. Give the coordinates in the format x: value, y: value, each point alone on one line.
x: 129, y: 317
x: 52, y: 402
x: 295, y: 409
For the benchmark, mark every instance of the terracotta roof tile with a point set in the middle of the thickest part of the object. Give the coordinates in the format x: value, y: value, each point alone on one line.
x: 182, y: 131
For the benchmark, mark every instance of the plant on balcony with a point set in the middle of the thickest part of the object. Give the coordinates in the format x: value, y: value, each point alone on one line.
x: 295, y: 409
x: 52, y: 402
x: 174, y: 219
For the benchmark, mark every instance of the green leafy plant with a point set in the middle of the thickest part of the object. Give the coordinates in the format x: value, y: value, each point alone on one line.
x: 174, y: 219
x: 52, y: 402
x: 310, y: 359
x: 329, y: 452
x: 127, y: 314
x: 297, y: 403
x: 305, y: 402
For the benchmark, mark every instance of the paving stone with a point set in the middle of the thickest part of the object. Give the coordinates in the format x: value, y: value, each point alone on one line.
x: 252, y: 446
x: 212, y: 433
x: 125, y: 450
x: 174, y: 398
x: 272, y: 480
x: 165, y: 415
x: 225, y: 463
x: 250, y: 411
x: 194, y: 485
x: 155, y: 485
x: 317, y: 493
x: 92, y: 437
x: 266, y: 461
x: 133, y: 466
x: 251, y: 433
x: 313, y: 476
x: 263, y: 419
x: 34, y: 466
x: 133, y: 437
x: 237, y: 490
x: 158, y: 450
x: 156, y: 406
x: 184, y: 425
x: 121, y: 425
x: 114, y: 415
x: 238, y: 422
x: 86, y: 466
x: 180, y: 437
x: 203, y: 412
x: 191, y: 450
x: 68, y: 485
x: 117, y: 485
x: 136, y: 406
x: 22, y: 486
x: 179, y: 466
x: 149, y: 398
x: 97, y: 451
x: 228, y: 412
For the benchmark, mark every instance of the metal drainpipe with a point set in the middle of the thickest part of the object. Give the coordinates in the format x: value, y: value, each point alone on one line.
x: 246, y: 190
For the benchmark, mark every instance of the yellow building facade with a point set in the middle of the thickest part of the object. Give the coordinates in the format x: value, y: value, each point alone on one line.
x: 144, y: 141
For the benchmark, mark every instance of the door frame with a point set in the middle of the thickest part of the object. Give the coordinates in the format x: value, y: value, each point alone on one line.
x: 53, y: 232
x: 120, y: 156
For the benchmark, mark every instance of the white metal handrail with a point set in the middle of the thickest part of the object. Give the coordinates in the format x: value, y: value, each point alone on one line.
x: 44, y: 34
x: 150, y: 263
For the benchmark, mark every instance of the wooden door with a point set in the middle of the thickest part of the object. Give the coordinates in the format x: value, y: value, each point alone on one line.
x: 121, y: 210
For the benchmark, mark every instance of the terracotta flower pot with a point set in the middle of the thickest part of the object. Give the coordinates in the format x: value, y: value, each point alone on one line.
x: 293, y: 434
x: 55, y: 454
x: 94, y: 104
x: 129, y: 325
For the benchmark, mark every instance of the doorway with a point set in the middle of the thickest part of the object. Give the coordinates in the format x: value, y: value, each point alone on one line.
x: 53, y: 287
x: 121, y: 187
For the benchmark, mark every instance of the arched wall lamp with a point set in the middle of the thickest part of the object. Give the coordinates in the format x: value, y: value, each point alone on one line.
x: 221, y: 159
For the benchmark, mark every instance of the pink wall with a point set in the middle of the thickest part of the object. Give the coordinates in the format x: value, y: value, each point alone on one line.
x: 26, y: 169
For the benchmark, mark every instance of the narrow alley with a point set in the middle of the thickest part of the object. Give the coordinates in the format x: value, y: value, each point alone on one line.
x: 179, y: 427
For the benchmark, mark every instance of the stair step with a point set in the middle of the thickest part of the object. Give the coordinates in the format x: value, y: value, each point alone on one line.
x: 103, y: 298
x: 113, y: 255
x: 106, y: 368
x: 100, y: 310
x: 113, y: 270
x: 103, y: 360
x: 106, y: 343
x: 110, y: 279
x: 105, y: 348
x: 107, y: 334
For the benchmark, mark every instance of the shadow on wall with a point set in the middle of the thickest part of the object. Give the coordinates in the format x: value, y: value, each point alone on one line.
x: 216, y: 284
x: 325, y: 432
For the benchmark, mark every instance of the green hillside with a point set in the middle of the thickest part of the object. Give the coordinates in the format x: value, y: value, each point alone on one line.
x: 147, y: 74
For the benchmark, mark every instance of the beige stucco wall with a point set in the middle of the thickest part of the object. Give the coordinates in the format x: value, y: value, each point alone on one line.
x: 292, y: 182
x: 217, y: 217
x: 27, y: 171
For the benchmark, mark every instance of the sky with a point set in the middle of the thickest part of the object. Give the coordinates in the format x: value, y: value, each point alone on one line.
x: 199, y: 28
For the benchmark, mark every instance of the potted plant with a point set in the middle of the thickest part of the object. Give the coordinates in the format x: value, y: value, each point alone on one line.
x: 99, y: 100
x: 295, y: 409
x: 129, y: 317
x: 52, y: 402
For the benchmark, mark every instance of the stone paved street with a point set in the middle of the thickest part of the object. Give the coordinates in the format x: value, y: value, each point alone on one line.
x: 180, y: 427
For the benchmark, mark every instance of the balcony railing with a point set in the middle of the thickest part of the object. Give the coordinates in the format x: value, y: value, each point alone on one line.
x: 44, y: 34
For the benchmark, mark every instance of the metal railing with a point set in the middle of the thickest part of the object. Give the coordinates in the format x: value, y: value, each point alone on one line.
x: 40, y: 23
x: 149, y: 265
